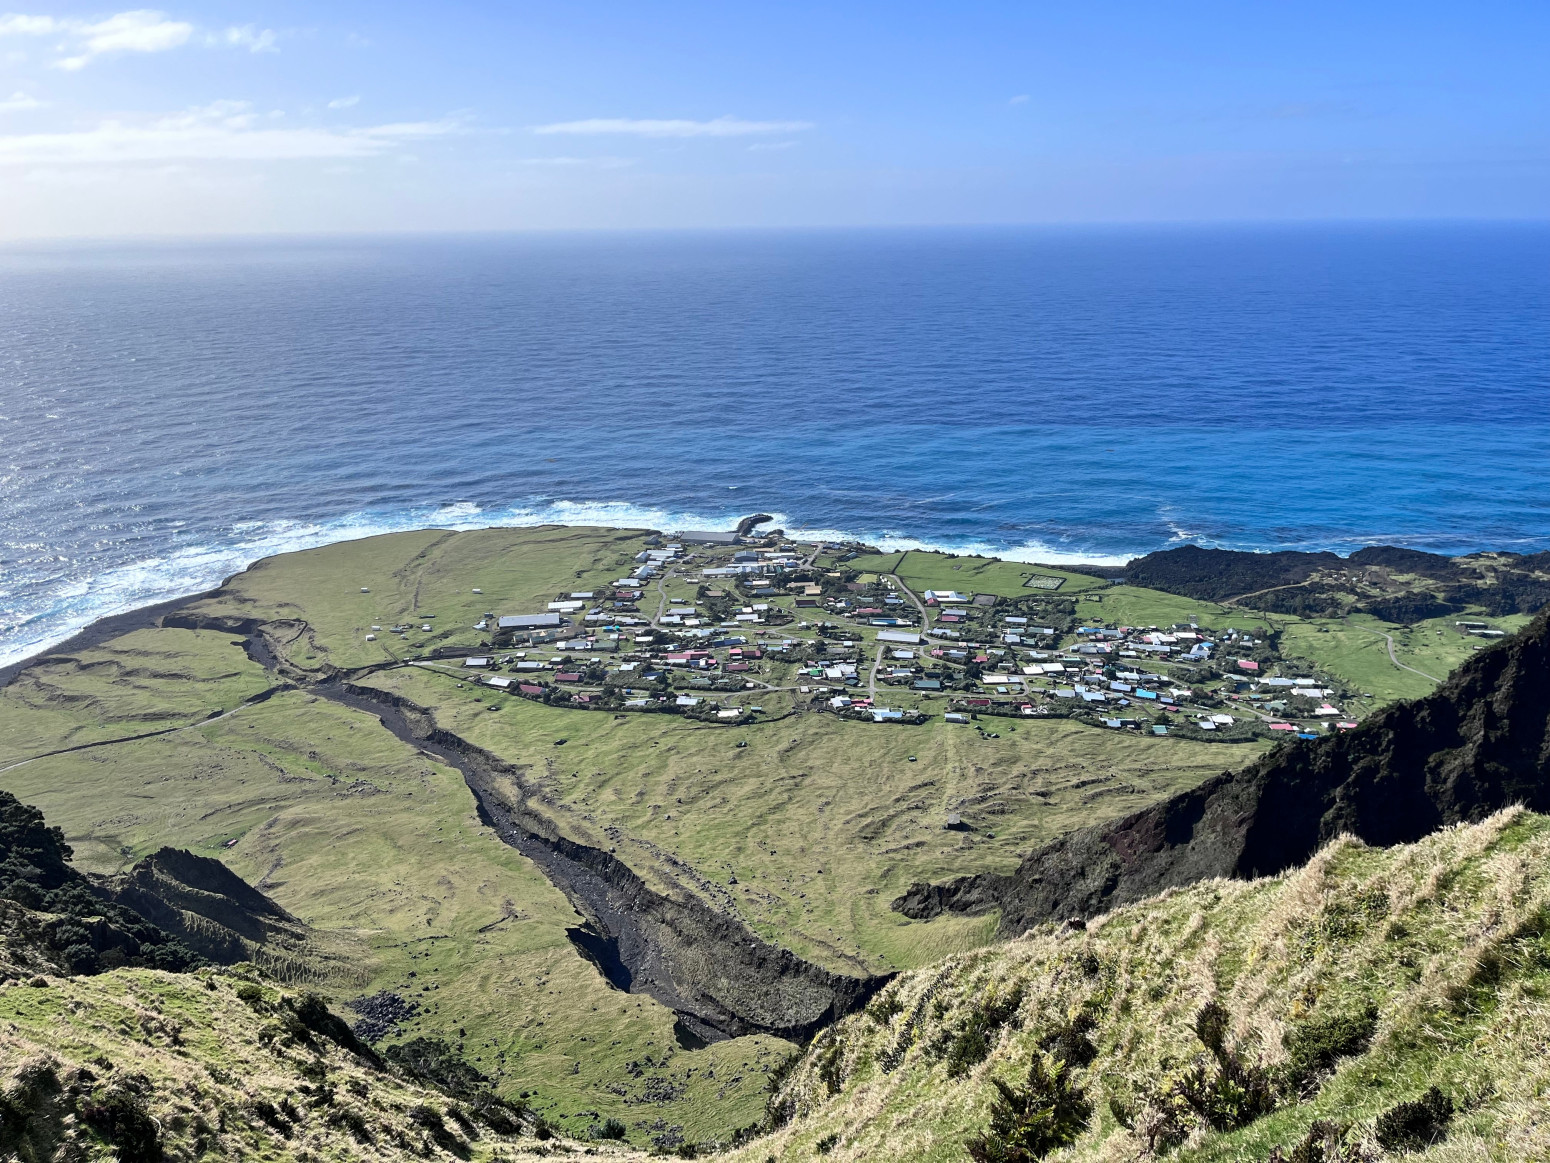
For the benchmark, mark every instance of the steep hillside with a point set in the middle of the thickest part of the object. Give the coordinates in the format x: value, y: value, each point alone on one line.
x: 1376, y: 1001
x: 100, y: 1054
x: 219, y: 915
x: 1479, y: 743
x: 142, y: 1065
x: 71, y: 925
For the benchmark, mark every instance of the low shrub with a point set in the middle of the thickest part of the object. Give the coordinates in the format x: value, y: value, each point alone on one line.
x: 974, y: 1039
x: 1028, y: 1122
x: 1414, y: 1126
x: 1313, y: 1047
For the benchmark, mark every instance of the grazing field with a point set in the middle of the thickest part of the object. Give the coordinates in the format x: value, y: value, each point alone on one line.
x: 821, y: 821
x: 1135, y: 606
x: 360, y: 834
x: 1354, y: 648
x: 418, y: 579
x: 922, y: 570
x: 146, y: 681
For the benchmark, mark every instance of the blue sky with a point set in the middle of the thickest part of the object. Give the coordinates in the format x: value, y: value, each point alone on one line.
x: 246, y: 115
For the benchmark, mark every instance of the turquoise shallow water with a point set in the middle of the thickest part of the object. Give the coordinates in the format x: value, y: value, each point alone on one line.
x: 169, y: 413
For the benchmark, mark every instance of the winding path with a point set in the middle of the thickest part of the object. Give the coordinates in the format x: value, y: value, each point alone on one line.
x: 1389, y: 641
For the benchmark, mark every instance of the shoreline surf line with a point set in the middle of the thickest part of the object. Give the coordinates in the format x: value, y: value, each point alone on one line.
x: 81, y: 634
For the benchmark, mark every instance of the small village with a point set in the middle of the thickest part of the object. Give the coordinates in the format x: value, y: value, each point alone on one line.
x: 729, y: 627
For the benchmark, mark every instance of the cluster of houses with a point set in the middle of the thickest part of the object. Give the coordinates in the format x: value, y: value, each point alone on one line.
x: 690, y: 655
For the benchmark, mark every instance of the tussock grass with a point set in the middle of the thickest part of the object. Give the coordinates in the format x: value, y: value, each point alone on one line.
x: 211, y: 1068
x: 1348, y: 987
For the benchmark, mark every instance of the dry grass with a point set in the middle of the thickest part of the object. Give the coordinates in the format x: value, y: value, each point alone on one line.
x: 219, y: 1077
x: 1446, y: 938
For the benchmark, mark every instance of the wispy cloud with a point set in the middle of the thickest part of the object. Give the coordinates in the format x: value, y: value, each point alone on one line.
x: 222, y: 131
x: 770, y: 146
x: 720, y: 127
x: 404, y: 129
x: 143, y: 30
x: 250, y: 37
x: 601, y: 163
x: 345, y: 102
x: 140, y: 30
x: 19, y: 101
x: 1020, y: 99
x: 15, y: 24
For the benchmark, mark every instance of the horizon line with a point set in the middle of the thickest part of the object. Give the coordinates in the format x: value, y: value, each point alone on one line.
x: 767, y: 228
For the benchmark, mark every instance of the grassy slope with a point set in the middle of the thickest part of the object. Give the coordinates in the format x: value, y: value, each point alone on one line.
x: 352, y: 830
x: 145, y: 681
x: 1449, y: 939
x: 209, y: 1058
x: 822, y: 821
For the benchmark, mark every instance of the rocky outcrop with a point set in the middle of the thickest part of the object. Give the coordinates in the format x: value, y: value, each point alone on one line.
x: 1216, y: 574
x: 205, y: 905
x: 72, y: 926
x: 1324, y: 584
x: 1479, y: 743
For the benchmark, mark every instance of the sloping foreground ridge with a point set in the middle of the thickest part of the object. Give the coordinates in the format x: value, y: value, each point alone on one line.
x: 1479, y: 743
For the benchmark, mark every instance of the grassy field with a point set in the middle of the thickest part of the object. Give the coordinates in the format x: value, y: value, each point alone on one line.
x: 1354, y: 648
x: 1347, y: 987
x: 146, y: 681
x: 921, y: 571
x: 822, y: 821
x: 419, y: 579
x: 1135, y: 606
x: 356, y: 832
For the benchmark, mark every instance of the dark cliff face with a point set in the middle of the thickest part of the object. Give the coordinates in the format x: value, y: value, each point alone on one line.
x: 1479, y: 743
x: 82, y: 932
x: 203, y: 903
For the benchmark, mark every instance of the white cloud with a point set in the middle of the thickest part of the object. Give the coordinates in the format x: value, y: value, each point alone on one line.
x: 345, y: 102
x: 770, y: 146
x: 720, y: 127
x: 221, y: 131
x: 15, y: 24
x: 19, y: 101
x: 1020, y: 99
x: 250, y: 37
x: 602, y: 163
x: 404, y: 129
x: 142, y: 30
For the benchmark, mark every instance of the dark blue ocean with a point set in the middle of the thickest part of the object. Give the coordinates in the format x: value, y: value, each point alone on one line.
x: 170, y: 412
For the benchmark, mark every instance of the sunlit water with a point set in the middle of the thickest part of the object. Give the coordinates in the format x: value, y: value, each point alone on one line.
x: 170, y: 413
